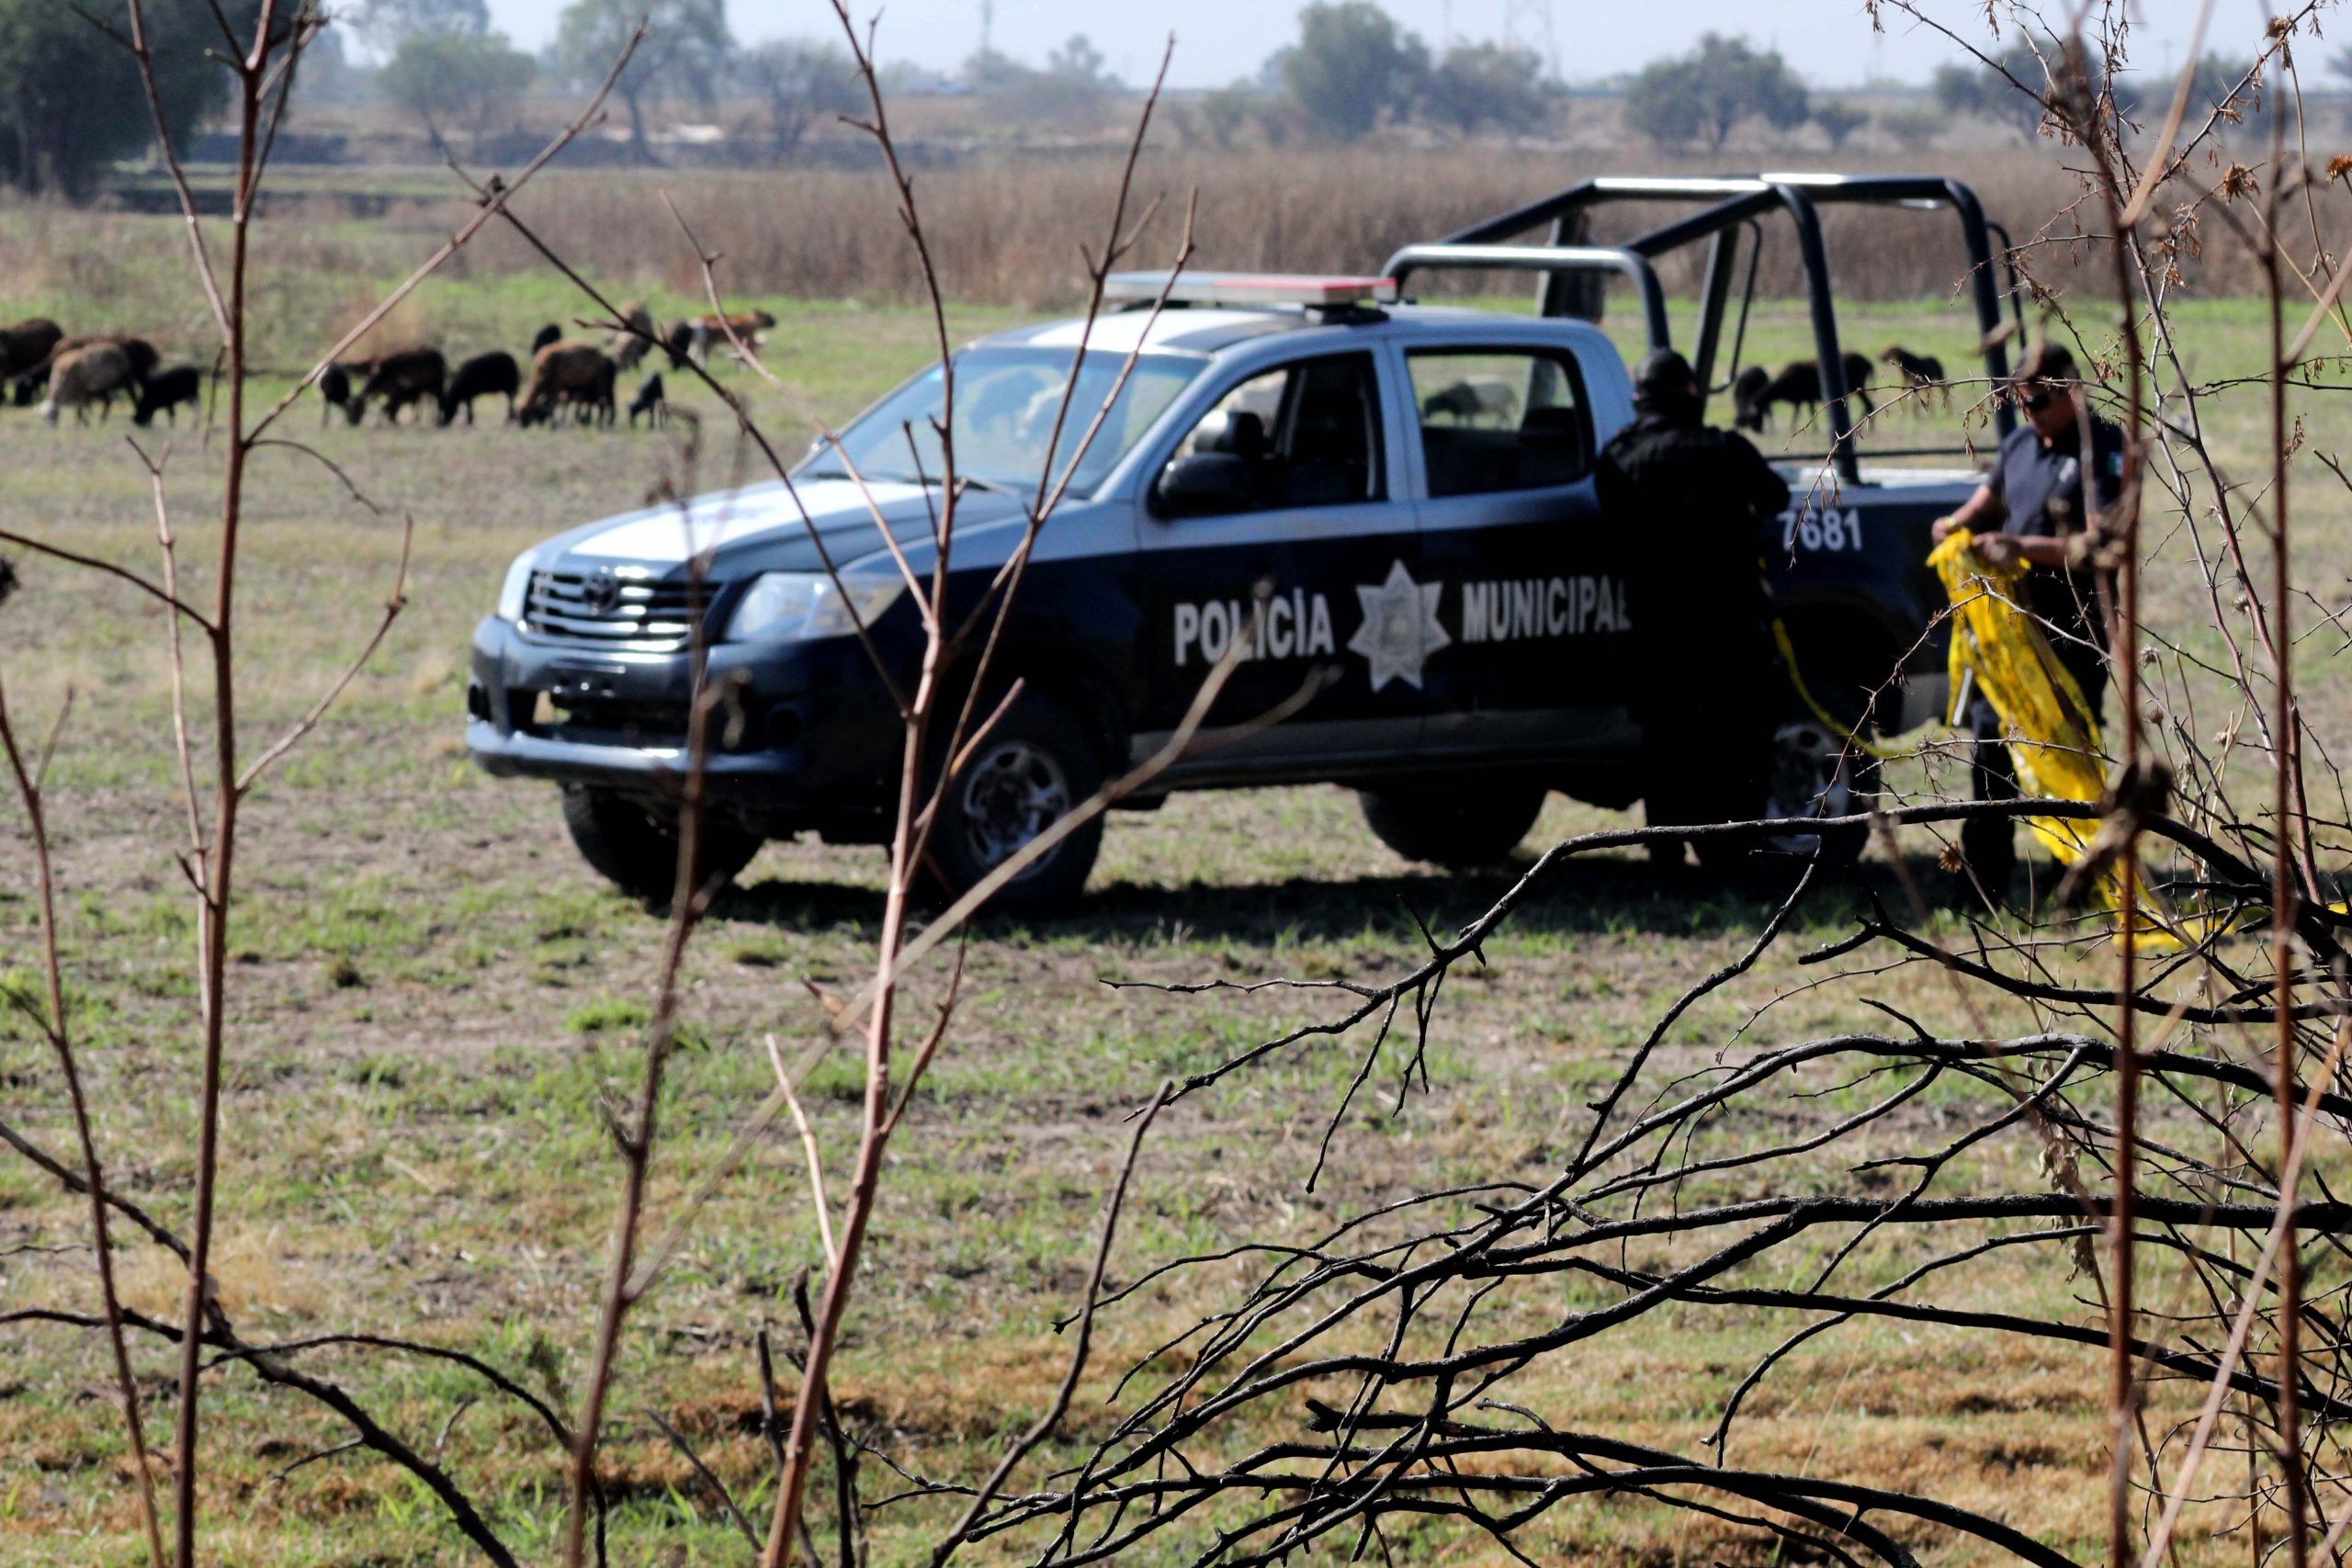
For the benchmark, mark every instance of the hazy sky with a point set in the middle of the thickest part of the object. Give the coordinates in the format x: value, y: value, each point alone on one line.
x: 1830, y: 41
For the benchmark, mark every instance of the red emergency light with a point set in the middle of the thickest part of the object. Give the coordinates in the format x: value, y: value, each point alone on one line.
x: 1251, y: 288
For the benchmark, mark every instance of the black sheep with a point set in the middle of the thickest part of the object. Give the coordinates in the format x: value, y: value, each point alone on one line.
x: 547, y: 335
x: 165, y: 391
x: 410, y: 376
x: 335, y: 385
x: 1747, y: 391
x: 648, y: 401
x: 485, y: 375
x: 1799, y: 386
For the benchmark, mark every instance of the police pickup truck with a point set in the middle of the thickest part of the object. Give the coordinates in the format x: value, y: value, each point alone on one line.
x: 1399, y: 496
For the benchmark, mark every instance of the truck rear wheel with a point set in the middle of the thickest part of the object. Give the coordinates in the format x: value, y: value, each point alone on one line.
x: 1460, y: 828
x: 1035, y: 765
x: 1815, y: 775
x: 635, y: 848
x: 1810, y: 774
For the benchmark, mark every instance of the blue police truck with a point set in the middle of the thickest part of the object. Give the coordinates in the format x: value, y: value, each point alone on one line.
x: 1398, y: 494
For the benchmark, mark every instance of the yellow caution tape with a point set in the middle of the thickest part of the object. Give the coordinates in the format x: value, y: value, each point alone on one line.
x: 1884, y: 751
x: 2051, y: 733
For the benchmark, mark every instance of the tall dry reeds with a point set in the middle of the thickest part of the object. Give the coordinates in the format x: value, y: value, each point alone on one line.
x: 1007, y: 227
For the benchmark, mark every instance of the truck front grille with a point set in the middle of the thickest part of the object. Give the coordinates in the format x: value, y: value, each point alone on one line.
x: 612, y: 611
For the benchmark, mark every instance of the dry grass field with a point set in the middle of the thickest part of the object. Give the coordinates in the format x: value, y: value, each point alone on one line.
x: 433, y: 996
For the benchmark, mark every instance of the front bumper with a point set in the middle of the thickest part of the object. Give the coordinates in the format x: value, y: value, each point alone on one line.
x: 804, y: 736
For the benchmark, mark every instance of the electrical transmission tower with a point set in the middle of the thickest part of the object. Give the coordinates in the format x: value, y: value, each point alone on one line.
x: 1527, y: 24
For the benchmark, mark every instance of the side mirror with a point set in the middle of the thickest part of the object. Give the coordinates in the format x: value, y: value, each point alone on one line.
x: 1203, y: 484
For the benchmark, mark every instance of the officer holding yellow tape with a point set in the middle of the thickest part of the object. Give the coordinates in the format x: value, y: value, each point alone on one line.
x: 2032, y: 508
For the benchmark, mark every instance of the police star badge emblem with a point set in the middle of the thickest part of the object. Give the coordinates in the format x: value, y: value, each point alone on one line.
x: 1399, y: 628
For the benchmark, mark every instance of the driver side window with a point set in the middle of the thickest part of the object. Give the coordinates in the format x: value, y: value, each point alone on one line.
x: 1307, y: 435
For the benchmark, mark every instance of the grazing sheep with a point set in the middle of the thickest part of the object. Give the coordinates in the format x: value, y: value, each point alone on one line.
x: 686, y: 342
x: 1747, y: 409
x: 547, y: 335
x: 137, y: 350
x: 165, y: 391
x: 691, y: 340
x: 335, y: 385
x: 89, y: 375
x: 28, y: 385
x: 1474, y: 398
x: 629, y: 346
x: 1921, y: 373
x: 579, y: 374
x: 485, y: 375
x: 410, y: 376
x: 1799, y: 386
x: 27, y: 344
x: 648, y: 401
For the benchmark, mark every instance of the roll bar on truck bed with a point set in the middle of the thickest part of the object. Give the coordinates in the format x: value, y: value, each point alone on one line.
x: 1731, y: 205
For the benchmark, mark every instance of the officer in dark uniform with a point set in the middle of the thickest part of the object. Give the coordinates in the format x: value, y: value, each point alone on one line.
x: 2032, y: 508
x: 1689, y: 501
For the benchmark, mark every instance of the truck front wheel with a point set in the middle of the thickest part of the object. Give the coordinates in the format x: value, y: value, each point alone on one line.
x: 1034, y: 767
x: 635, y: 848
x: 1460, y: 826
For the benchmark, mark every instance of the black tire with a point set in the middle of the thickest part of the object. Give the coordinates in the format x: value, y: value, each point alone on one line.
x: 1462, y: 827
x: 1807, y: 773
x: 1815, y: 774
x: 1035, y: 764
x: 635, y: 849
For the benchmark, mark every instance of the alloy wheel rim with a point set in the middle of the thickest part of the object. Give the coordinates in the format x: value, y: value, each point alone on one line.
x: 1012, y: 793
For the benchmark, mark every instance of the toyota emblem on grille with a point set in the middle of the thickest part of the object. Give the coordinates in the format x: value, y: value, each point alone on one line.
x: 602, y: 592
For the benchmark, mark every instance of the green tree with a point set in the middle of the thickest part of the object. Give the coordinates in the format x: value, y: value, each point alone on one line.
x: 686, y: 53
x: 2215, y: 84
x: 386, y: 24
x: 74, y: 101
x: 1915, y: 127
x: 1706, y: 93
x: 1482, y: 84
x: 1352, y: 65
x: 799, y: 82
x: 1079, y: 60
x: 467, y: 80
x: 1838, y: 120
x: 2007, y: 91
x: 1227, y: 110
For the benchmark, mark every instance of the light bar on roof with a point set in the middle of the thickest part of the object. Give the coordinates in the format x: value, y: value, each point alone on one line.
x: 1250, y: 289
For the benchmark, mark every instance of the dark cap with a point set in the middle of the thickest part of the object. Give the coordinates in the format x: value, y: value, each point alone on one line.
x: 1663, y: 371
x: 2044, y: 362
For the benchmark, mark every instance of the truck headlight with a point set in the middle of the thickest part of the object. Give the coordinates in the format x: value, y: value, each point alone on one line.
x: 801, y: 606
x: 516, y: 589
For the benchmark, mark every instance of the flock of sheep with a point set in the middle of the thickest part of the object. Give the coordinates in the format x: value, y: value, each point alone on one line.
x: 77, y: 372
x: 568, y: 377
x: 1798, y: 384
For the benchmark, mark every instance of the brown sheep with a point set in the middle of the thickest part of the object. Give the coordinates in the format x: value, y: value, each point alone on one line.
x: 27, y: 344
x: 576, y: 373
x: 629, y: 346
x: 30, y: 380
x: 86, y: 375
x: 691, y: 340
x: 410, y: 376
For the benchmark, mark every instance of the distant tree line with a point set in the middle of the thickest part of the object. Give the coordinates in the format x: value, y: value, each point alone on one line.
x: 74, y: 106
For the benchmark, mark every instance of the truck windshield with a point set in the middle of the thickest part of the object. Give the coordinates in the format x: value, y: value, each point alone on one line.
x: 1006, y: 402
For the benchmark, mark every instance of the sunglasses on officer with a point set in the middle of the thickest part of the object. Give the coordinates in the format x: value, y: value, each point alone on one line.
x: 2039, y: 398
